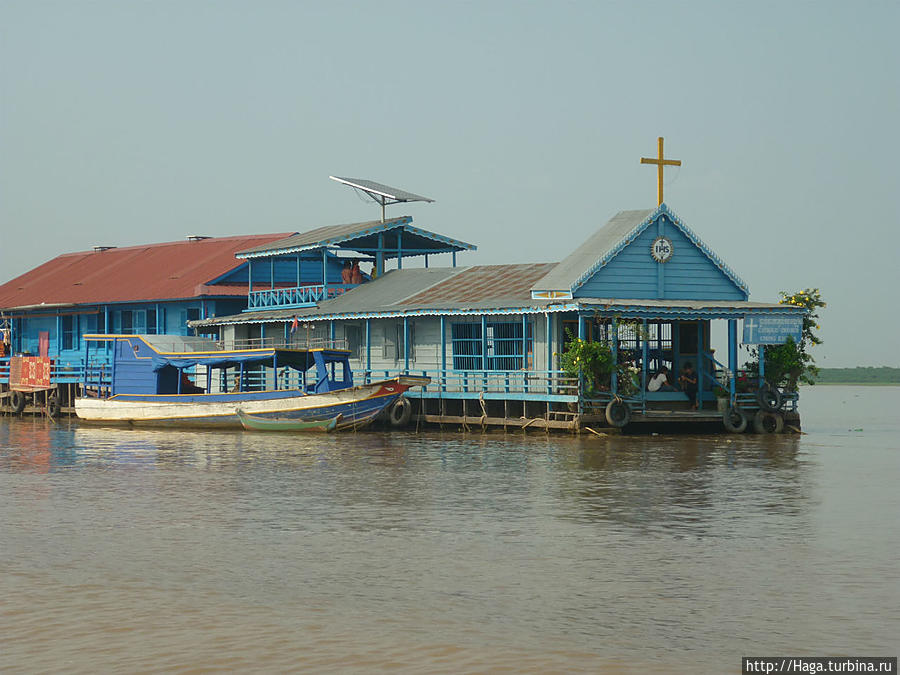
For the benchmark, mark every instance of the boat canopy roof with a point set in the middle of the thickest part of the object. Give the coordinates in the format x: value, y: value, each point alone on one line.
x: 301, y: 359
x: 186, y: 351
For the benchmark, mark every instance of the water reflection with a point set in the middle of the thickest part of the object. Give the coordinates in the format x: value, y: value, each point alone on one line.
x: 391, y: 551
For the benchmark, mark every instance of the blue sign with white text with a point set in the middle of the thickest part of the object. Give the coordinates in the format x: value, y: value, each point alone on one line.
x: 768, y: 329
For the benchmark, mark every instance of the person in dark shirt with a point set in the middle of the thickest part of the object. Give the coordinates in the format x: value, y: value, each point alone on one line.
x: 688, y: 382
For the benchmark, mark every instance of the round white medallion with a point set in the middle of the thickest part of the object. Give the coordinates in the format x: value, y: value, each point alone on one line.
x: 661, y: 249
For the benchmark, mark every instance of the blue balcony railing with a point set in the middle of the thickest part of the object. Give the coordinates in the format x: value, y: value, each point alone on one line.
x: 298, y: 296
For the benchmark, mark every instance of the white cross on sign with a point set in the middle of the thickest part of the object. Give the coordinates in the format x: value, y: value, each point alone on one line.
x: 750, y: 326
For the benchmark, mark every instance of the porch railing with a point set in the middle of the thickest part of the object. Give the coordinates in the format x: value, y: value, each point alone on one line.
x: 549, y: 385
x: 297, y: 296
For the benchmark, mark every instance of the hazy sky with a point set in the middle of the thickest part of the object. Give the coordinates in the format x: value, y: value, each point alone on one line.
x: 132, y: 122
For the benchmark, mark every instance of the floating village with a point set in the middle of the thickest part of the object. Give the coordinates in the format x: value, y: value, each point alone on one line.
x: 287, y: 332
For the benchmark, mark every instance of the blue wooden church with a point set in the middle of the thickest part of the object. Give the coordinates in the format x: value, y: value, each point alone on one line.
x: 490, y: 336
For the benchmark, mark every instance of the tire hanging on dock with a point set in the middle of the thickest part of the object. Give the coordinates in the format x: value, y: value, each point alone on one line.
x: 17, y: 401
x: 766, y: 422
x: 618, y: 414
x: 769, y: 398
x: 734, y: 420
x: 400, y: 413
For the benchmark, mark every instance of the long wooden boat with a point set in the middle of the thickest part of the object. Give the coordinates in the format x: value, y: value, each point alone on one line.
x: 147, y: 385
x: 256, y: 423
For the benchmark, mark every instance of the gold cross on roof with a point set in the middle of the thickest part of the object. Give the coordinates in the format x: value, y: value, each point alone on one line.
x: 660, y: 162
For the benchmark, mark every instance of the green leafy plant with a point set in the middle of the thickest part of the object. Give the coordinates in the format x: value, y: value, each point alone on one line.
x: 593, y: 363
x: 790, y: 363
x: 590, y: 361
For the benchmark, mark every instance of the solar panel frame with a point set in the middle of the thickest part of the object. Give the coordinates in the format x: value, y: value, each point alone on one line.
x: 383, y: 191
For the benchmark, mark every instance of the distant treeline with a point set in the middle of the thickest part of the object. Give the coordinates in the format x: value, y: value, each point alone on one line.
x: 859, y: 375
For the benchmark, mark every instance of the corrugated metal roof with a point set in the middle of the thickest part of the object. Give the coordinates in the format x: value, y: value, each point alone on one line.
x: 357, y: 236
x: 564, y: 276
x: 435, y: 290
x: 177, y: 269
x: 493, y: 284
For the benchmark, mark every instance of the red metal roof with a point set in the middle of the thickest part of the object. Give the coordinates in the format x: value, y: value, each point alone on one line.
x: 178, y: 269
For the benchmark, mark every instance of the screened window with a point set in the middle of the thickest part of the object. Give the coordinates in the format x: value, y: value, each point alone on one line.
x: 501, y: 348
x: 70, y: 332
x: 353, y: 334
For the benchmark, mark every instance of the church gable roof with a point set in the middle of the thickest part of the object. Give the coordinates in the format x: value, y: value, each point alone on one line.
x: 607, y: 243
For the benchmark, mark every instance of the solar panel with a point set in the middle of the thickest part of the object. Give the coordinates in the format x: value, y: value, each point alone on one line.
x: 381, y: 193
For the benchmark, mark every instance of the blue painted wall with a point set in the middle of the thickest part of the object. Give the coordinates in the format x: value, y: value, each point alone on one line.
x: 134, y: 372
x: 286, y: 271
x: 688, y: 275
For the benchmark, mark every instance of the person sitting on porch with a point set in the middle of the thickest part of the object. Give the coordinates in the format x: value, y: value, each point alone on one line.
x: 688, y: 382
x: 356, y: 273
x: 660, y: 381
x: 346, y: 273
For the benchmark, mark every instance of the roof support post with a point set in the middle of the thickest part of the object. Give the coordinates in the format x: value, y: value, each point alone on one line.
x: 298, y: 270
x: 581, y: 330
x: 406, y: 344
x: 272, y: 273
x: 454, y: 258
x: 732, y: 357
x: 645, y: 345
x: 443, y: 354
x: 180, y: 376
x: 324, y: 274
x: 426, y: 261
x: 524, y: 341
x: 400, y: 249
x: 483, y: 342
x: 379, y: 256
x: 331, y: 333
x: 368, y: 348
x: 676, y: 346
x: 249, y: 276
x: 701, y: 357
x: 614, y: 381
x: 548, y: 338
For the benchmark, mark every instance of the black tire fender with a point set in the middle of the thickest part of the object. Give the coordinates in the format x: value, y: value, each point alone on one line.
x: 766, y: 422
x: 618, y: 413
x: 17, y: 401
x: 769, y: 398
x: 400, y: 413
x: 735, y: 420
